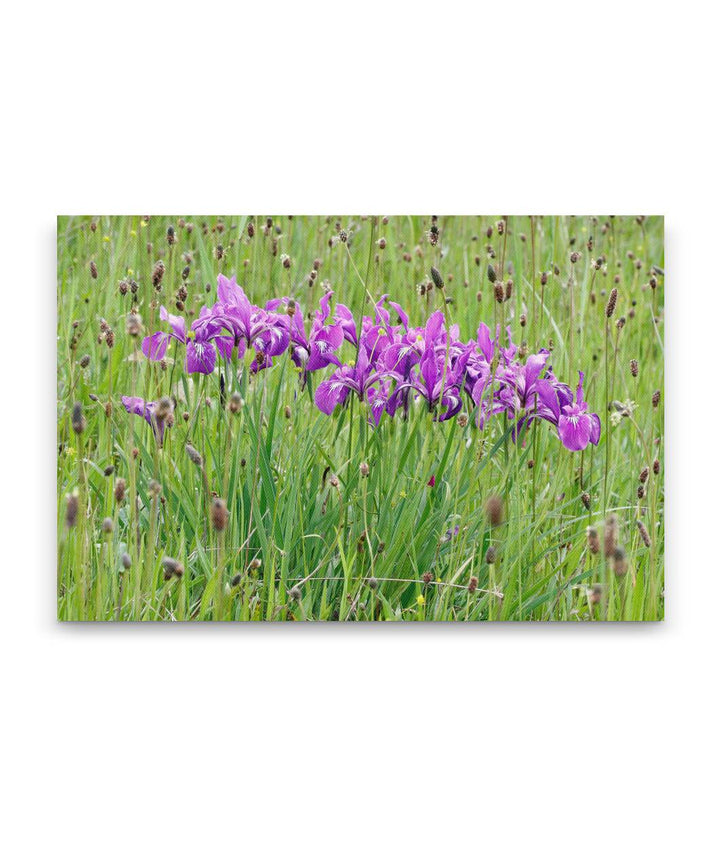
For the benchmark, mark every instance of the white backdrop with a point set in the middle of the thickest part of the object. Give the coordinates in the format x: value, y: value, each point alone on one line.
x: 326, y: 739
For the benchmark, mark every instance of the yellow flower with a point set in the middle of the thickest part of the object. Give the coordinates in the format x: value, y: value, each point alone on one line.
x: 130, y: 272
x: 420, y: 600
x: 106, y: 238
x: 133, y: 233
x: 351, y: 363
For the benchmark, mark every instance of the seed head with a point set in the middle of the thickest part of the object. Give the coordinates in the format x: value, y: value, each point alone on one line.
x: 644, y: 534
x: 133, y: 324
x: 219, y: 514
x: 157, y: 274
x: 119, y: 490
x: 107, y: 526
x: 634, y: 368
x: 543, y: 278
x: 494, y: 510
x: 78, y: 419
x: 619, y: 562
x: 499, y: 292
x: 473, y: 584
x: 491, y: 555
x: 236, y: 402
x: 612, y: 303
x: 126, y: 561
x: 508, y: 289
x: 644, y: 473
x: 491, y: 275
x: 84, y: 361
x: 585, y: 497
x: 462, y: 419
x: 364, y: 469
x: 436, y: 278
x: 172, y: 568
x: 194, y: 455
x: 593, y: 540
x: 255, y: 564
x: 372, y: 583
x: 656, y: 466
x: 611, y: 533
x: 71, y: 510
x: 93, y: 270
x: 656, y: 398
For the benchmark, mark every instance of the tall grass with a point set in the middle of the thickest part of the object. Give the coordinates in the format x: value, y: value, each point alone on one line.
x: 309, y: 535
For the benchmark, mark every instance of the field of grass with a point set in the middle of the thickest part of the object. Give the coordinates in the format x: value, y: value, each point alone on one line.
x: 281, y: 512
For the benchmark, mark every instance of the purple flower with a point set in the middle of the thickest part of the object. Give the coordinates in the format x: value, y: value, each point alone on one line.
x: 136, y: 405
x: 576, y: 427
x: 357, y: 378
x: 200, y: 342
x: 251, y: 326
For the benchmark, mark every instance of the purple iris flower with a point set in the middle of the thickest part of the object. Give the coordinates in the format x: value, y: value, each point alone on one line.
x: 358, y: 378
x: 136, y: 405
x: 438, y: 382
x: 315, y: 350
x: 200, y: 342
x: 251, y: 326
x: 576, y: 427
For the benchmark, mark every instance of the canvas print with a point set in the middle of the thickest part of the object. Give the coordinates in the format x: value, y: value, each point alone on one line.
x: 360, y: 418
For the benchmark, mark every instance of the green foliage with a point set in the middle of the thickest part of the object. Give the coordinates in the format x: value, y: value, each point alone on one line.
x: 308, y: 537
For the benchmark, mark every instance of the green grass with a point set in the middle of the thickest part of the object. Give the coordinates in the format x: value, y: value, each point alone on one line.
x: 308, y: 537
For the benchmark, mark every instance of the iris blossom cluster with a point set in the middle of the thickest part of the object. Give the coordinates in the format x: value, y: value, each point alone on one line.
x: 393, y: 364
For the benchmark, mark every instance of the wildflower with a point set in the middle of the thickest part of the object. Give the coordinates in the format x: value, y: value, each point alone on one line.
x: 136, y: 405
x: 200, y: 343
x: 576, y: 427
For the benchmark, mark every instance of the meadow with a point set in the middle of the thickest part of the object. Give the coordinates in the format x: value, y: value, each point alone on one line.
x: 236, y: 443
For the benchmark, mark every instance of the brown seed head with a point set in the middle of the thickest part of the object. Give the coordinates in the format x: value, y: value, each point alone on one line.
x: 494, y: 510
x: 593, y: 540
x: 119, y: 490
x: 644, y: 534
x: 194, y: 455
x: 612, y: 303
x: 219, y: 514
x: 71, y: 510
x: 611, y: 534
x: 78, y: 419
